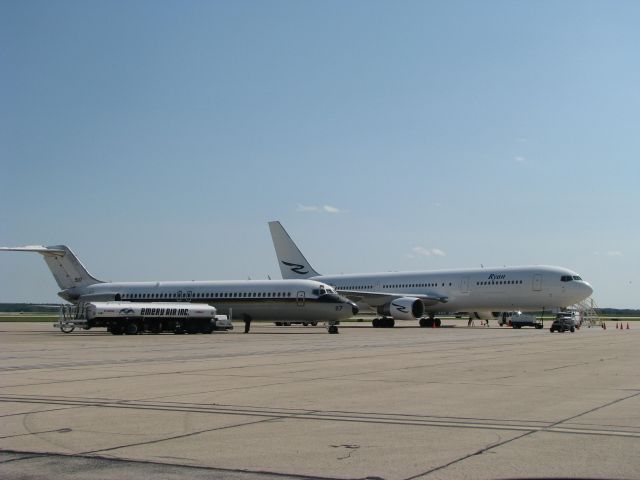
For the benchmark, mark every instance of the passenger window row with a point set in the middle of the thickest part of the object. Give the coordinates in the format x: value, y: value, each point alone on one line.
x: 136, y: 296
x: 415, y: 285
x: 501, y: 282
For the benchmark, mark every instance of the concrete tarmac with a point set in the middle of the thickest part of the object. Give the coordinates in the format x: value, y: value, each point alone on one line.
x: 295, y: 402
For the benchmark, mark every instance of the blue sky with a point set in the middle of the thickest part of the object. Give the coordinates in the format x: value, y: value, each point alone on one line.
x: 158, y: 138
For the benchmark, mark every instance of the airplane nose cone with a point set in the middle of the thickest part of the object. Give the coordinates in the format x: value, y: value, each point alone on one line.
x: 588, y: 289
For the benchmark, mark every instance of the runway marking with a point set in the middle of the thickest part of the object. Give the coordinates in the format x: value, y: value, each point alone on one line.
x: 332, y: 416
x: 551, y: 428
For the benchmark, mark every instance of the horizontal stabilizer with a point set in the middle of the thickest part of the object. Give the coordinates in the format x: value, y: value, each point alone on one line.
x: 65, y: 267
x: 35, y: 248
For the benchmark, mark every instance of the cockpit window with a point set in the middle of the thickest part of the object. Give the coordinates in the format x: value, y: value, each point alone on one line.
x: 566, y: 278
x: 576, y: 277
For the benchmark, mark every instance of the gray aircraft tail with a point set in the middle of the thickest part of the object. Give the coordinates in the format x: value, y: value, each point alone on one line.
x: 64, y: 265
x: 290, y: 259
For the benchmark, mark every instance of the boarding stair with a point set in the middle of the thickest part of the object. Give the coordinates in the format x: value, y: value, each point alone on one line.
x: 588, y: 312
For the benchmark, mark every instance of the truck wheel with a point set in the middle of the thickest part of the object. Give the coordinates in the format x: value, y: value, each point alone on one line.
x: 572, y: 329
x: 131, y: 328
x: 551, y: 329
x: 116, y: 330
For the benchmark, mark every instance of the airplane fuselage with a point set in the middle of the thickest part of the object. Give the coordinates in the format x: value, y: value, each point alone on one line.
x: 260, y: 300
x: 492, y: 289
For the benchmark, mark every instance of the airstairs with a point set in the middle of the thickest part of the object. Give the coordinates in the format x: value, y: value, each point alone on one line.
x: 587, y: 311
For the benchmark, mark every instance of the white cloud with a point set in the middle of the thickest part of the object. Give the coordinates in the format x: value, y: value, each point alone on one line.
x: 427, y: 252
x: 330, y: 209
x: 613, y: 253
x: 520, y: 159
x: 316, y: 208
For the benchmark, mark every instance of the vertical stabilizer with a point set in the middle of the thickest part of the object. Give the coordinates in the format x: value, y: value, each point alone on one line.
x: 290, y: 259
x: 64, y: 265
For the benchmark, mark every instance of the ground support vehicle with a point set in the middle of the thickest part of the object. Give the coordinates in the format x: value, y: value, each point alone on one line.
x: 562, y: 325
x: 519, y: 320
x: 132, y: 318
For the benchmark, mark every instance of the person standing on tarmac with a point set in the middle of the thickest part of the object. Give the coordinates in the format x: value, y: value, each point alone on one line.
x: 247, y: 323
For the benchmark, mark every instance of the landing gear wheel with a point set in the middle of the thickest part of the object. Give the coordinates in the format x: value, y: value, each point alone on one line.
x: 426, y: 322
x: 375, y: 323
x: 389, y: 323
x: 333, y: 329
x: 438, y: 322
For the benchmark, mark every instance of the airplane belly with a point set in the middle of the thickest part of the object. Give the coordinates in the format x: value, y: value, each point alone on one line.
x: 311, y: 311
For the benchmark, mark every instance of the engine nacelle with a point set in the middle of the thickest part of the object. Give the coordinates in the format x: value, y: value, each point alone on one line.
x: 405, y: 308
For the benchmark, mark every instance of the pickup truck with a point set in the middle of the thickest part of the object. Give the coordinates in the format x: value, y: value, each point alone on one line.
x: 519, y: 320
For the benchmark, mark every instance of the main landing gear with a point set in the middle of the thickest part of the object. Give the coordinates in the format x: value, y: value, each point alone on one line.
x: 430, y: 322
x: 384, y: 322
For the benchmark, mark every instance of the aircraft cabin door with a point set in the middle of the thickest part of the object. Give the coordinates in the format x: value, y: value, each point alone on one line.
x: 537, y: 283
x: 464, y: 285
x: 300, y: 299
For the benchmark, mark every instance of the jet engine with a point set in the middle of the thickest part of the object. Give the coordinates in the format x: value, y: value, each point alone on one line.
x: 405, y: 308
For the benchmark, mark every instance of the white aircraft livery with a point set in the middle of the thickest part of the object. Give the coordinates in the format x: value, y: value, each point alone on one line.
x: 281, y: 300
x: 411, y: 295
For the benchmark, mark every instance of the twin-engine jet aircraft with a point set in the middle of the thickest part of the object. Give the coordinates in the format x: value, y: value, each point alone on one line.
x: 411, y: 295
x: 272, y: 300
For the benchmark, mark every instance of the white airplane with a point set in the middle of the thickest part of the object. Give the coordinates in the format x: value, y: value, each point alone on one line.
x: 411, y: 295
x: 281, y: 300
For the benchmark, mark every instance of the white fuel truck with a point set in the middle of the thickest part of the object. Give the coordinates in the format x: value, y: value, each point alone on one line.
x: 154, y: 317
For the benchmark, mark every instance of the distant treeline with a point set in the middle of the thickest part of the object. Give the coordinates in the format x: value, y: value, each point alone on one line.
x: 621, y: 312
x: 29, y: 307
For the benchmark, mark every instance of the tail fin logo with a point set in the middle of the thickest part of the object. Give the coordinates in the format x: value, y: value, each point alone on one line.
x: 296, y: 267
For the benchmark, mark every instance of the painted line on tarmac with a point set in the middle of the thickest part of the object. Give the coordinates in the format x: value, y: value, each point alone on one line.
x: 330, y: 416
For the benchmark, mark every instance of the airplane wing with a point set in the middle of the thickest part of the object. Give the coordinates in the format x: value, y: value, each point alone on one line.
x: 380, y: 298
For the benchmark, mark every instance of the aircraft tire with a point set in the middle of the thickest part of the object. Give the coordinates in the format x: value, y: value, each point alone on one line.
x: 333, y: 329
x: 438, y: 322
